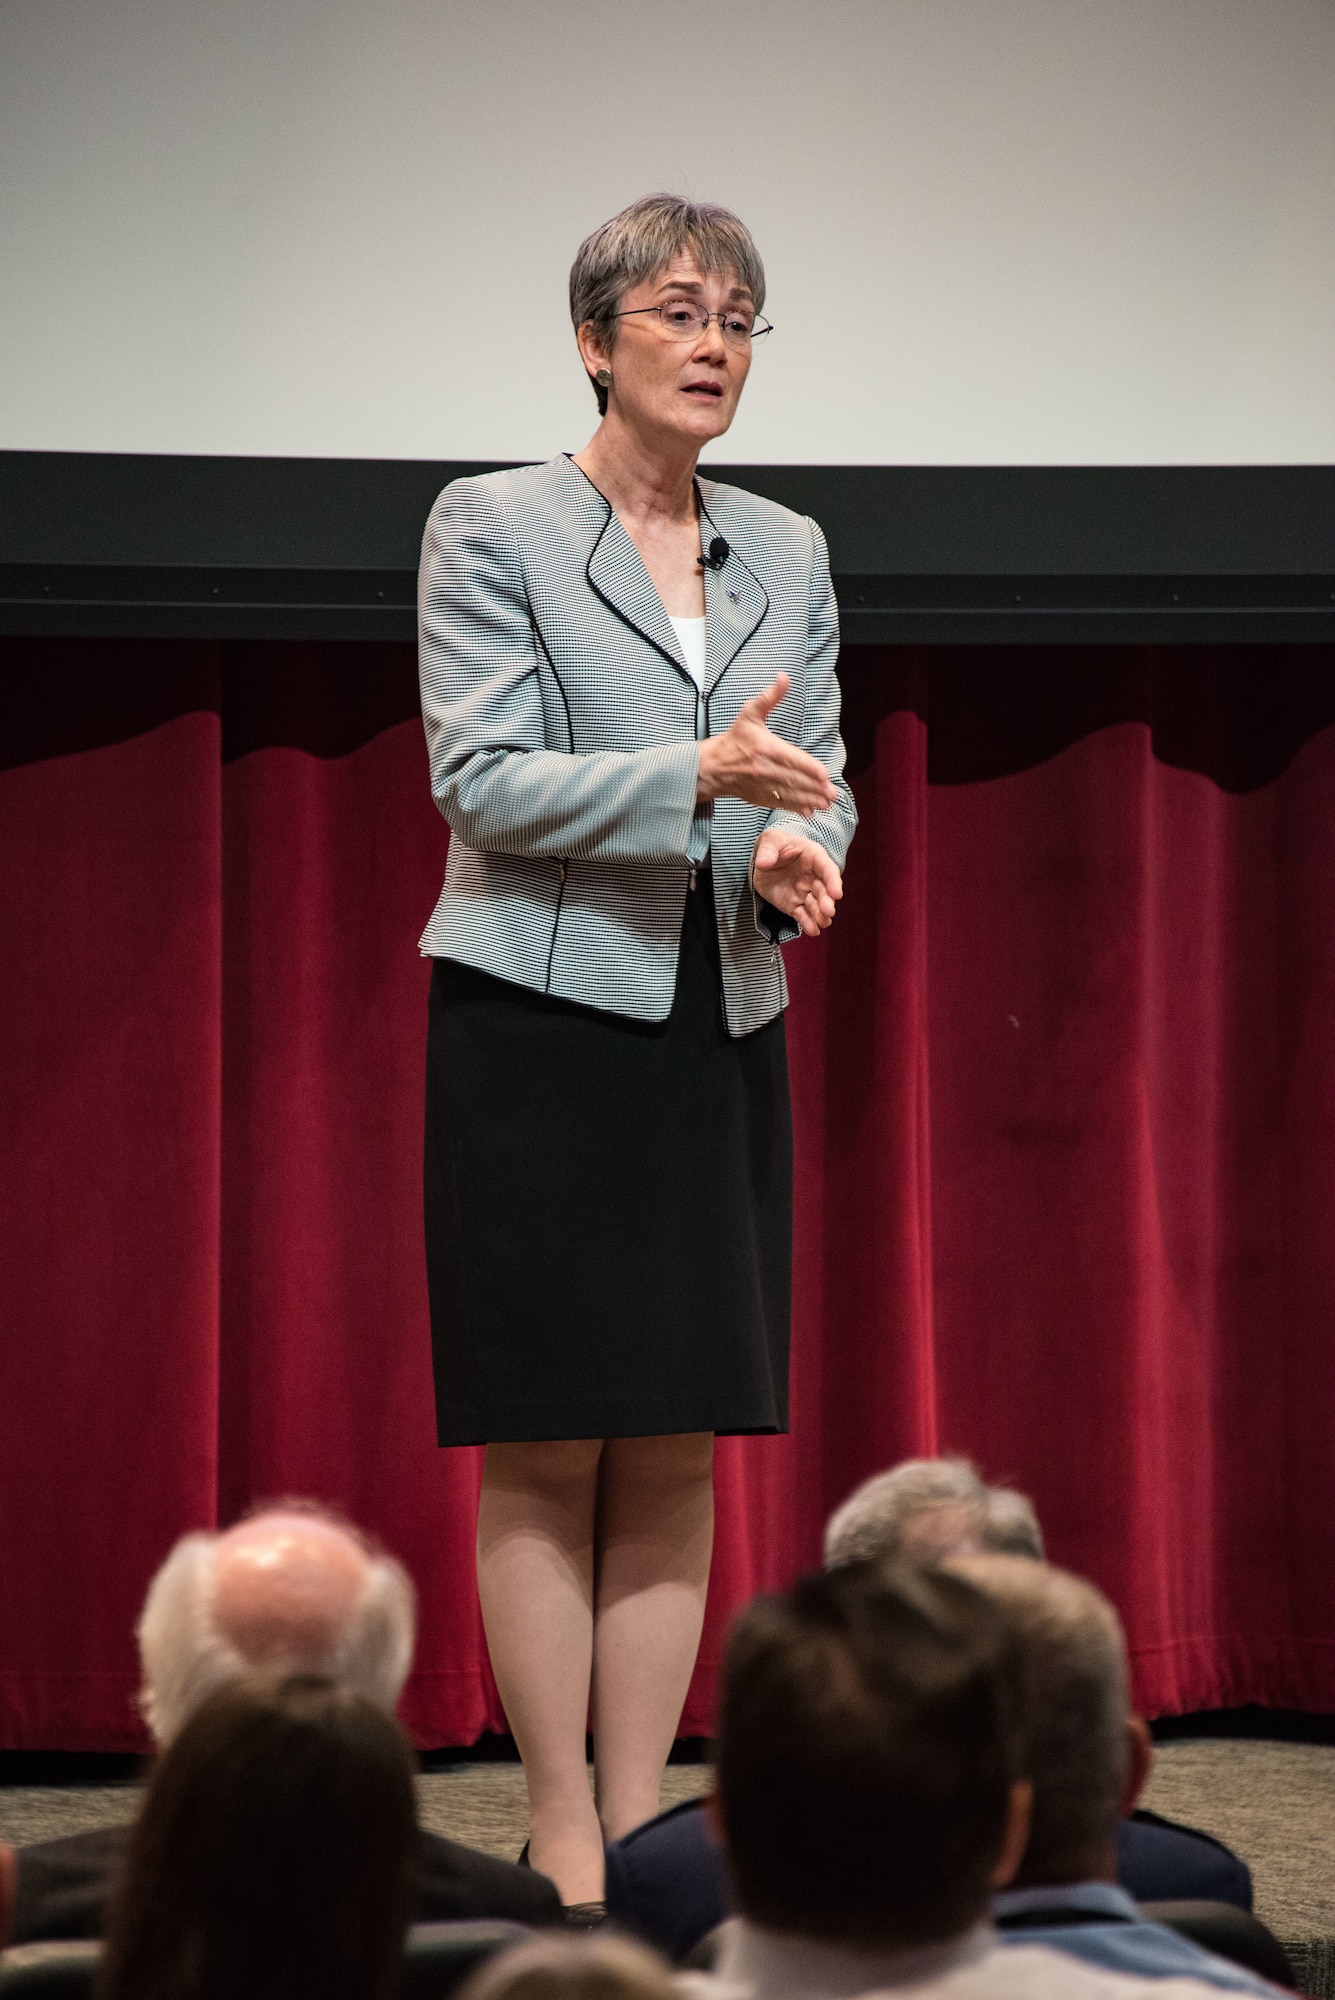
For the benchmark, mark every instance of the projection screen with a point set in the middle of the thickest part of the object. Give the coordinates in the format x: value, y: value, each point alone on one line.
x: 996, y: 231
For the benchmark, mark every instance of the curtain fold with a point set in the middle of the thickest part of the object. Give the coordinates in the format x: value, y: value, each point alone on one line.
x: 110, y: 1031
x: 1064, y: 1113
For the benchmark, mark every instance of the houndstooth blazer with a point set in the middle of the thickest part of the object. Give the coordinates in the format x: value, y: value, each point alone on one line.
x: 563, y: 729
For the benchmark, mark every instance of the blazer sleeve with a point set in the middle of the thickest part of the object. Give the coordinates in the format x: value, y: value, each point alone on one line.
x: 834, y: 827
x: 492, y: 775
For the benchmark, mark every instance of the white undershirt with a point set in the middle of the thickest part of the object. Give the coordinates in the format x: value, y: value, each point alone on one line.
x: 691, y: 638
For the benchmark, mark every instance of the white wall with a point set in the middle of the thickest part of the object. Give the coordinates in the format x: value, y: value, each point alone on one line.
x: 997, y: 231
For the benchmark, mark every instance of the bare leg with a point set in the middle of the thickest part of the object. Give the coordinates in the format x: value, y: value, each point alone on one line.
x: 655, y: 1538
x: 535, y: 1534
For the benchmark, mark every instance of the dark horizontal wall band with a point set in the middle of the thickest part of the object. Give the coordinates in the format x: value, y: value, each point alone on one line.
x: 196, y: 601
x: 199, y: 602
x: 1236, y: 715
x: 71, y: 508
x: 262, y: 548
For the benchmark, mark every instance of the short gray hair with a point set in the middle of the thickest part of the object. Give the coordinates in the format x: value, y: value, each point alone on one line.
x: 1076, y: 1702
x: 926, y: 1494
x: 186, y: 1659
x: 641, y: 241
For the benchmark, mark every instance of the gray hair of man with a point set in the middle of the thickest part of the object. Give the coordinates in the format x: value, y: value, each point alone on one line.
x: 366, y: 1645
x: 926, y: 1509
x: 642, y: 241
x: 1086, y: 1753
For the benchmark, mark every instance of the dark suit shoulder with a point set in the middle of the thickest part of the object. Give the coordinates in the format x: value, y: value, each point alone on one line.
x: 64, y: 1885
x: 666, y: 1880
x: 458, y: 1881
x: 1161, y: 1861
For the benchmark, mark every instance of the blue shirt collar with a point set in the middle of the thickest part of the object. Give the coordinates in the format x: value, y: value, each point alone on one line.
x: 1100, y: 1898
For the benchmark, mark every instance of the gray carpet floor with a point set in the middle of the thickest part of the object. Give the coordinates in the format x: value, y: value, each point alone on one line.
x: 1273, y: 1803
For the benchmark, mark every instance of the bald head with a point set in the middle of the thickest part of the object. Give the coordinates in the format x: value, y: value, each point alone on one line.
x: 292, y: 1588
x: 935, y: 1532
x: 1086, y: 1754
x: 285, y: 1587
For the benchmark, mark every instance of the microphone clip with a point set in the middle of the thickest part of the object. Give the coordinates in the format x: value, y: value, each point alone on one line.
x: 718, y: 554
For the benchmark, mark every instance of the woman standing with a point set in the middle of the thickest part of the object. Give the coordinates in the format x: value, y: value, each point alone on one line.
x: 632, y: 717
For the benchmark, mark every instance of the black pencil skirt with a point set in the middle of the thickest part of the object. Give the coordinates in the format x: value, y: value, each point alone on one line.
x: 608, y: 1210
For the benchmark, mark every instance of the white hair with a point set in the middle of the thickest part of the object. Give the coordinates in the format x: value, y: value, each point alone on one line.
x: 186, y: 1658
x: 1011, y: 1525
x: 875, y: 1519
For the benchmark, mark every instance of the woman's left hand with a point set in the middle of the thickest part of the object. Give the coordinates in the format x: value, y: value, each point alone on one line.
x: 799, y: 878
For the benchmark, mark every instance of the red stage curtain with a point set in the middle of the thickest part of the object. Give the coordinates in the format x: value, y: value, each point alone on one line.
x: 1064, y: 1091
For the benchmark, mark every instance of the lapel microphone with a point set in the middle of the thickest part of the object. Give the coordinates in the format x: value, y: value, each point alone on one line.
x: 718, y: 554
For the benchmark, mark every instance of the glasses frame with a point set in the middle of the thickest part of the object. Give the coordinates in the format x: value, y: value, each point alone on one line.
x: 758, y: 331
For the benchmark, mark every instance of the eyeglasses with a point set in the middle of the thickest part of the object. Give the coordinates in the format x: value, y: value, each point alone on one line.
x: 683, y: 319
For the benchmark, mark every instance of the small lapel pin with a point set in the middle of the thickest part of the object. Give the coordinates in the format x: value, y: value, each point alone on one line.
x: 736, y: 596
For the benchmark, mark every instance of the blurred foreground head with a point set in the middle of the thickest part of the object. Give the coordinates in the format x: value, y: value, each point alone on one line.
x: 274, y: 1856
x: 869, y: 1757
x: 1086, y: 1753
x: 573, y: 1968
x: 926, y: 1509
x: 292, y: 1589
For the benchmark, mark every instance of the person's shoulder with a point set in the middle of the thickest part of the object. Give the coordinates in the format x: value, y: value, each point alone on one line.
x: 457, y: 1881
x: 1042, y: 1972
x: 62, y: 1885
x: 736, y: 509
x: 764, y: 532
x: 711, y: 1986
x: 1161, y: 1861
x: 95, y: 1848
x: 1144, y: 1951
x: 684, y: 1822
x: 525, y: 503
x: 512, y: 487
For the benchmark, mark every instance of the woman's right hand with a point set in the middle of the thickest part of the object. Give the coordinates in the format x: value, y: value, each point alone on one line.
x: 748, y: 761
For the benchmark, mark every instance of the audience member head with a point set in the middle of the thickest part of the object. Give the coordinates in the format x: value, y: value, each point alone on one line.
x: 927, y: 1509
x: 869, y: 1756
x: 587, y: 1968
x: 1086, y: 1754
x: 290, y: 1588
x: 274, y: 1855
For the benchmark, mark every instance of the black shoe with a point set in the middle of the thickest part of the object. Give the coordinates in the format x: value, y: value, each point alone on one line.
x: 584, y: 1916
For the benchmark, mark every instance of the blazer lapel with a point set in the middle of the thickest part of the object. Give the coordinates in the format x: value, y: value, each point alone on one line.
x: 737, y: 602
x: 735, y: 599
x: 616, y: 572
